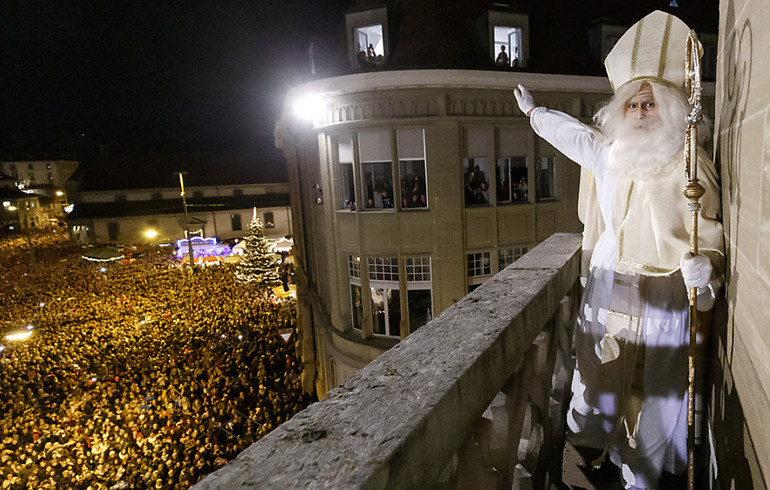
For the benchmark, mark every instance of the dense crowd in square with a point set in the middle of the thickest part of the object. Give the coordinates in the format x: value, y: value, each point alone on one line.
x: 137, y: 375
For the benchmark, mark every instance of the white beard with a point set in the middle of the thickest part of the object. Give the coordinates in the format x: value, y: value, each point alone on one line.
x: 643, y: 150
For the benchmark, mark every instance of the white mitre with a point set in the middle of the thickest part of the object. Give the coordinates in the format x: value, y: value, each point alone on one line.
x: 653, y: 49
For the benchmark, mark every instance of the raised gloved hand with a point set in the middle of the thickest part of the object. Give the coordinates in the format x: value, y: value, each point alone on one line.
x: 696, y: 270
x: 526, y: 103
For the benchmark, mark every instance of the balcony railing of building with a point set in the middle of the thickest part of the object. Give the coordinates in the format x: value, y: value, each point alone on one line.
x: 474, y: 399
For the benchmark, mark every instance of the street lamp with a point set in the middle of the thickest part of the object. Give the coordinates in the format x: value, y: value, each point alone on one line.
x: 151, y: 234
x: 186, y: 222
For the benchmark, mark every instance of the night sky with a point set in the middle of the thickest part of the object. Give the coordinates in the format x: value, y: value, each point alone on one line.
x: 153, y: 75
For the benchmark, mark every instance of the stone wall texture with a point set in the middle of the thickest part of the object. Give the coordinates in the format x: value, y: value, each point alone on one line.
x: 741, y: 340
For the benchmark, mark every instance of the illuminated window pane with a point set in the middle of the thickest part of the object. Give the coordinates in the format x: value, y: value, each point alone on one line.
x: 356, y: 306
x: 354, y: 266
x: 235, y: 222
x: 508, y: 41
x: 512, y: 179
x: 347, y: 188
x: 376, y: 169
x: 386, y: 312
x: 476, y: 180
x: 370, y: 45
x: 544, y: 178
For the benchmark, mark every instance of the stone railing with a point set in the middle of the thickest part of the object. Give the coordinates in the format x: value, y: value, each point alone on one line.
x: 474, y: 399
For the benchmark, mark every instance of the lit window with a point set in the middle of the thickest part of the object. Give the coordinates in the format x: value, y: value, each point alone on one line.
x: 370, y: 46
x: 411, y: 161
x: 235, y: 222
x: 512, y: 180
x: 268, y: 220
x: 386, y: 303
x: 383, y: 269
x: 508, y: 47
x: 347, y: 187
x: 376, y: 169
x: 508, y: 37
x: 369, y: 165
x: 368, y: 41
x: 419, y: 297
x: 544, y: 178
x: 356, y: 305
x: 354, y: 266
x: 356, y: 294
x: 476, y: 180
x: 386, y: 311
x: 476, y: 168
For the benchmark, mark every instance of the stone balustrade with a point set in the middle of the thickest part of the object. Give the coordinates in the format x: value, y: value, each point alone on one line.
x: 474, y: 399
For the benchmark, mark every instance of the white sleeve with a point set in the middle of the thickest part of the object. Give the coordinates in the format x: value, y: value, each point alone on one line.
x: 568, y: 135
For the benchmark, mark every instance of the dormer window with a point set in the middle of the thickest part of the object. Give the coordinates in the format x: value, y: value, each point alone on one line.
x: 368, y: 41
x: 508, y: 39
x: 507, y: 46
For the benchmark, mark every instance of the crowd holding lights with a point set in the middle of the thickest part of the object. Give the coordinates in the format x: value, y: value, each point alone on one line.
x: 141, y: 376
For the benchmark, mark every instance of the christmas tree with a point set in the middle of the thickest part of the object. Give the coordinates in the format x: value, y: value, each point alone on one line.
x: 258, y: 265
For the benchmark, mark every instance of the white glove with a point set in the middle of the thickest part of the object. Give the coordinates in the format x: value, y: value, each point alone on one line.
x: 696, y: 270
x: 526, y: 103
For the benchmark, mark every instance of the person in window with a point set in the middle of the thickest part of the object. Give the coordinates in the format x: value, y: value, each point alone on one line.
x: 631, y: 341
x: 418, y: 193
x: 522, y: 190
x: 480, y: 185
x: 515, y: 60
x: 371, y: 54
x: 387, y: 196
x: 502, y: 57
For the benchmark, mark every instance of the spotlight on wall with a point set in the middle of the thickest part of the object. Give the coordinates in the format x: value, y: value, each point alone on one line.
x: 310, y: 107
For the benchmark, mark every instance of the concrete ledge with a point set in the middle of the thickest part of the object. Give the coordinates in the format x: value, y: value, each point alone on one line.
x: 398, y: 421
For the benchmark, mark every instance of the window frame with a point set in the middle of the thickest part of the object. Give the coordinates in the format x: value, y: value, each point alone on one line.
x: 354, y: 280
x: 268, y: 224
x: 425, y: 284
x: 236, y: 218
x: 354, y: 21
x: 539, y: 197
x: 366, y: 177
x: 522, y: 198
x: 509, y: 20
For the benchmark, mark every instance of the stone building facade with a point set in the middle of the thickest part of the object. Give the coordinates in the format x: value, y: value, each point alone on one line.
x: 410, y: 189
x: 740, y: 367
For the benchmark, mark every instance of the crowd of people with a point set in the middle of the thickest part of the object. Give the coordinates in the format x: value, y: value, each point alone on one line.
x: 137, y: 375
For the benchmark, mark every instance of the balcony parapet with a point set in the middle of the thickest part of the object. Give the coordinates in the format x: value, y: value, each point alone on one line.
x: 476, y: 395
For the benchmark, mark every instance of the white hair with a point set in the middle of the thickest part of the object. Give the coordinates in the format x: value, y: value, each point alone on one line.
x: 643, y: 155
x: 671, y: 103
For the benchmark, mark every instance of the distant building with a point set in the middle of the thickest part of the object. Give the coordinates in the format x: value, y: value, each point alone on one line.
x: 136, y: 198
x: 20, y: 211
x: 414, y: 176
x: 46, y: 179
